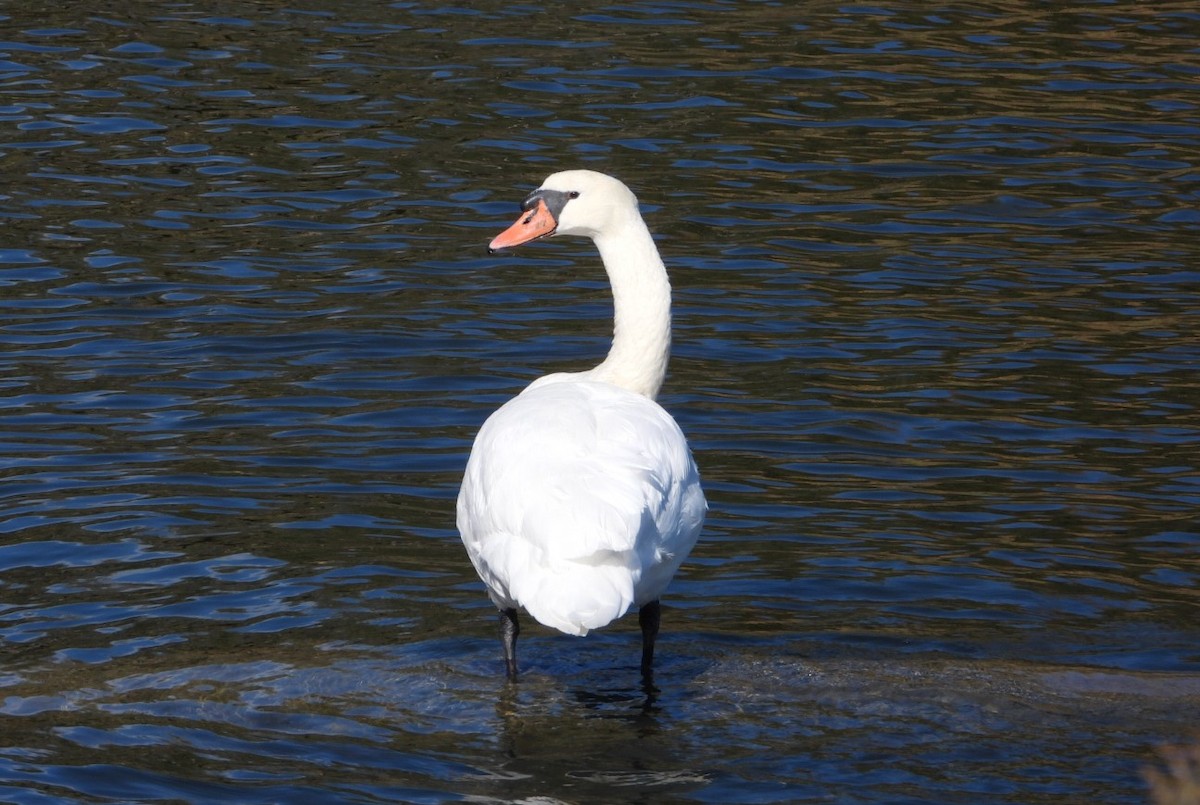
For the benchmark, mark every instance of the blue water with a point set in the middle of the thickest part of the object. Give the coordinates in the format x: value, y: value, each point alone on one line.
x: 936, y: 297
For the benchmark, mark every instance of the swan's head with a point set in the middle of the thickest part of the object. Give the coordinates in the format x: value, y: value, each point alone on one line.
x: 576, y: 202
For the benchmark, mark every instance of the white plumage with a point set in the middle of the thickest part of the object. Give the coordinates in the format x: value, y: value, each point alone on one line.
x: 580, y: 497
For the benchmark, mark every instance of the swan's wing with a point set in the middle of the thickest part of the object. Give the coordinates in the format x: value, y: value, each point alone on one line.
x: 579, y: 472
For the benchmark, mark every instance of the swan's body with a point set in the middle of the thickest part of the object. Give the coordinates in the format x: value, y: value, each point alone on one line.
x: 581, y: 498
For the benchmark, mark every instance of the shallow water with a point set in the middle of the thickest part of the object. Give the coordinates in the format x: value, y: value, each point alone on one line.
x: 936, y: 304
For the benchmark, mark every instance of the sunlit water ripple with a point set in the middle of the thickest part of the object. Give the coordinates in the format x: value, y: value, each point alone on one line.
x: 936, y: 303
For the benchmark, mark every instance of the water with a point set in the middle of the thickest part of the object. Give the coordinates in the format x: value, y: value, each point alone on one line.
x: 936, y: 304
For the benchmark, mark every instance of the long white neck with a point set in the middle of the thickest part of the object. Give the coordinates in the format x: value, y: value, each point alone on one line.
x: 641, y: 291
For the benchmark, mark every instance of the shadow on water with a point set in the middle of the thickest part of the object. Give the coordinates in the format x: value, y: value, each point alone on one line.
x: 326, y: 721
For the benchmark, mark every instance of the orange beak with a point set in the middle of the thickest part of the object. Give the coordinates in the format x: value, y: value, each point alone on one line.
x: 533, y: 224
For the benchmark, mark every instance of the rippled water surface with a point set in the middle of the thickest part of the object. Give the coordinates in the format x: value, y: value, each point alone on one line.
x: 937, y: 296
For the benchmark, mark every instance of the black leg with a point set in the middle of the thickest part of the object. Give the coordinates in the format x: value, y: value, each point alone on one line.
x: 648, y: 618
x: 509, y: 629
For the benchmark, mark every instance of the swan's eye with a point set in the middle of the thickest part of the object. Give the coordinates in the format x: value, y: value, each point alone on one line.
x: 573, y: 194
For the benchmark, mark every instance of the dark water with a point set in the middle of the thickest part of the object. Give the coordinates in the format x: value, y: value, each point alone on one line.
x: 937, y: 302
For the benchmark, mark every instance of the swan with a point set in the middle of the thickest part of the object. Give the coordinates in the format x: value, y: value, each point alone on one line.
x: 580, y: 498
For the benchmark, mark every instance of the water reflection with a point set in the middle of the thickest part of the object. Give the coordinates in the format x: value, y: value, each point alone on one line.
x: 933, y: 349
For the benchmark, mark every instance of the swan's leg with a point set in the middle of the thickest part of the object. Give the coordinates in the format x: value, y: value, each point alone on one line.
x: 509, y: 629
x: 648, y: 617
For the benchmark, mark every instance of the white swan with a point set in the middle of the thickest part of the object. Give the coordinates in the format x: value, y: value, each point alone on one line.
x: 581, y: 498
